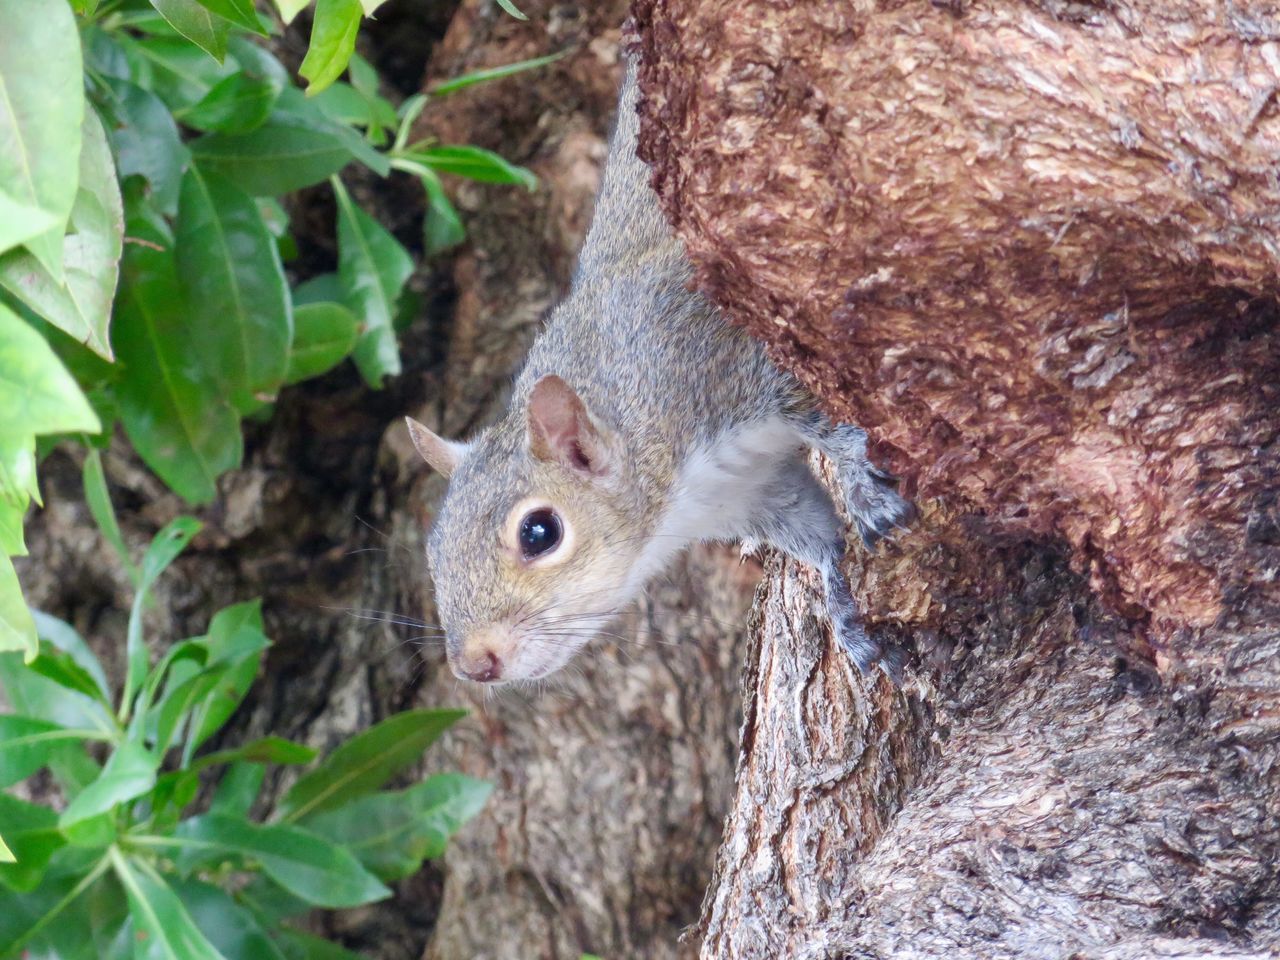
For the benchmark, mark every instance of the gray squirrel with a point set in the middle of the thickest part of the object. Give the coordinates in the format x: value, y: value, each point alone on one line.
x: 642, y: 422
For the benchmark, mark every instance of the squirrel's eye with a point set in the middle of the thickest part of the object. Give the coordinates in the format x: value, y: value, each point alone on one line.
x: 540, y: 532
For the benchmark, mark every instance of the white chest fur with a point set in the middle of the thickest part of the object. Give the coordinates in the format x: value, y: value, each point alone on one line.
x: 719, y: 490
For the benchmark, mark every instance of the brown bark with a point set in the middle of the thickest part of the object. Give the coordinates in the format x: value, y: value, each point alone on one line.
x: 1031, y: 240
x: 1032, y: 247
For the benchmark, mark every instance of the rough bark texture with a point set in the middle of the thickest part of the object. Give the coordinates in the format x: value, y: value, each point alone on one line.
x: 611, y: 785
x: 1031, y: 246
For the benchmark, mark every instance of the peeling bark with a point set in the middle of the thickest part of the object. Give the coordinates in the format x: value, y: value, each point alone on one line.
x: 1032, y: 247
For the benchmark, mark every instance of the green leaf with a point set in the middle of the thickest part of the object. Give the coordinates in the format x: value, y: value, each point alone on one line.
x: 392, y: 833
x: 372, y: 269
x: 33, y: 837
x: 277, y: 157
x: 174, y: 413
x: 27, y: 744
x: 209, y: 695
x: 275, y: 216
x: 157, y: 912
x: 306, y: 865
x: 365, y: 762
x: 363, y: 76
x: 238, y: 789
x: 18, y: 469
x: 62, y: 637
x: 232, y: 929
x: 36, y: 696
x: 237, y: 105
x: 298, y: 146
x: 226, y: 625
x: 299, y: 108
x: 98, y: 498
x: 291, y: 8
x: 239, y: 12
x: 492, y: 73
x: 164, y: 549
x: 95, y: 833
x: 63, y: 670
x: 204, y: 29
x: 324, y: 334
x: 263, y: 750
x: 172, y: 710
x: 37, y: 394
x: 41, y: 922
x: 442, y: 228
x: 304, y: 946
x: 17, y: 631
x: 241, y: 317
x: 473, y: 163
x: 79, y: 303
x: 12, y: 514
x: 344, y: 103
x: 512, y: 9
x: 236, y: 637
x: 175, y: 70
x: 6, y: 855
x: 129, y: 772
x: 146, y: 142
x: 322, y: 288
x: 41, y: 109
x: 174, y: 792
x: 333, y: 40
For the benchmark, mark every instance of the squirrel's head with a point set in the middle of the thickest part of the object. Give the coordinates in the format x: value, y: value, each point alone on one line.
x: 531, y: 552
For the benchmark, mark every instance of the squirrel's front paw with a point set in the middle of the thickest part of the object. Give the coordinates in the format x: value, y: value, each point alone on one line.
x: 867, y: 653
x: 874, y: 503
x: 864, y: 650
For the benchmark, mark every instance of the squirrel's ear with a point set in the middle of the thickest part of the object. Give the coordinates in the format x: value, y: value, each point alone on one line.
x: 443, y: 455
x: 562, y: 431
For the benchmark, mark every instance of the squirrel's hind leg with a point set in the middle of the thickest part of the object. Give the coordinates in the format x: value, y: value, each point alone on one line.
x: 798, y: 517
x: 870, y: 494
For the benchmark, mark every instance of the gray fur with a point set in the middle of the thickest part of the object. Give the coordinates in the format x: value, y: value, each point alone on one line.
x: 684, y: 400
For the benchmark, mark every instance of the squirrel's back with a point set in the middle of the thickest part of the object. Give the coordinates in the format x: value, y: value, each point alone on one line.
x: 640, y: 346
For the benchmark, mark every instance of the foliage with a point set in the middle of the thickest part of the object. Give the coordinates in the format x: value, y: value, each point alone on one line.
x: 129, y: 867
x: 147, y: 151
x: 143, y: 237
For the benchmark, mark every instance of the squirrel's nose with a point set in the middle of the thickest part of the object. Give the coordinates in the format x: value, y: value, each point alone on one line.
x: 483, y: 669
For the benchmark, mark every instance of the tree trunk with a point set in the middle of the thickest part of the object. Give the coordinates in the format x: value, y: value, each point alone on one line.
x: 1032, y: 247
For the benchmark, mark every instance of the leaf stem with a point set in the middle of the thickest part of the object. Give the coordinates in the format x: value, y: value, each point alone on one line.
x: 87, y: 881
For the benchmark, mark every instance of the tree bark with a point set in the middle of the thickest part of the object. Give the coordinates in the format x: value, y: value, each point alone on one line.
x: 1032, y: 247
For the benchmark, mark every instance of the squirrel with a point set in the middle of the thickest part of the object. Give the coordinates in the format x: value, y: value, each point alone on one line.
x: 642, y: 422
